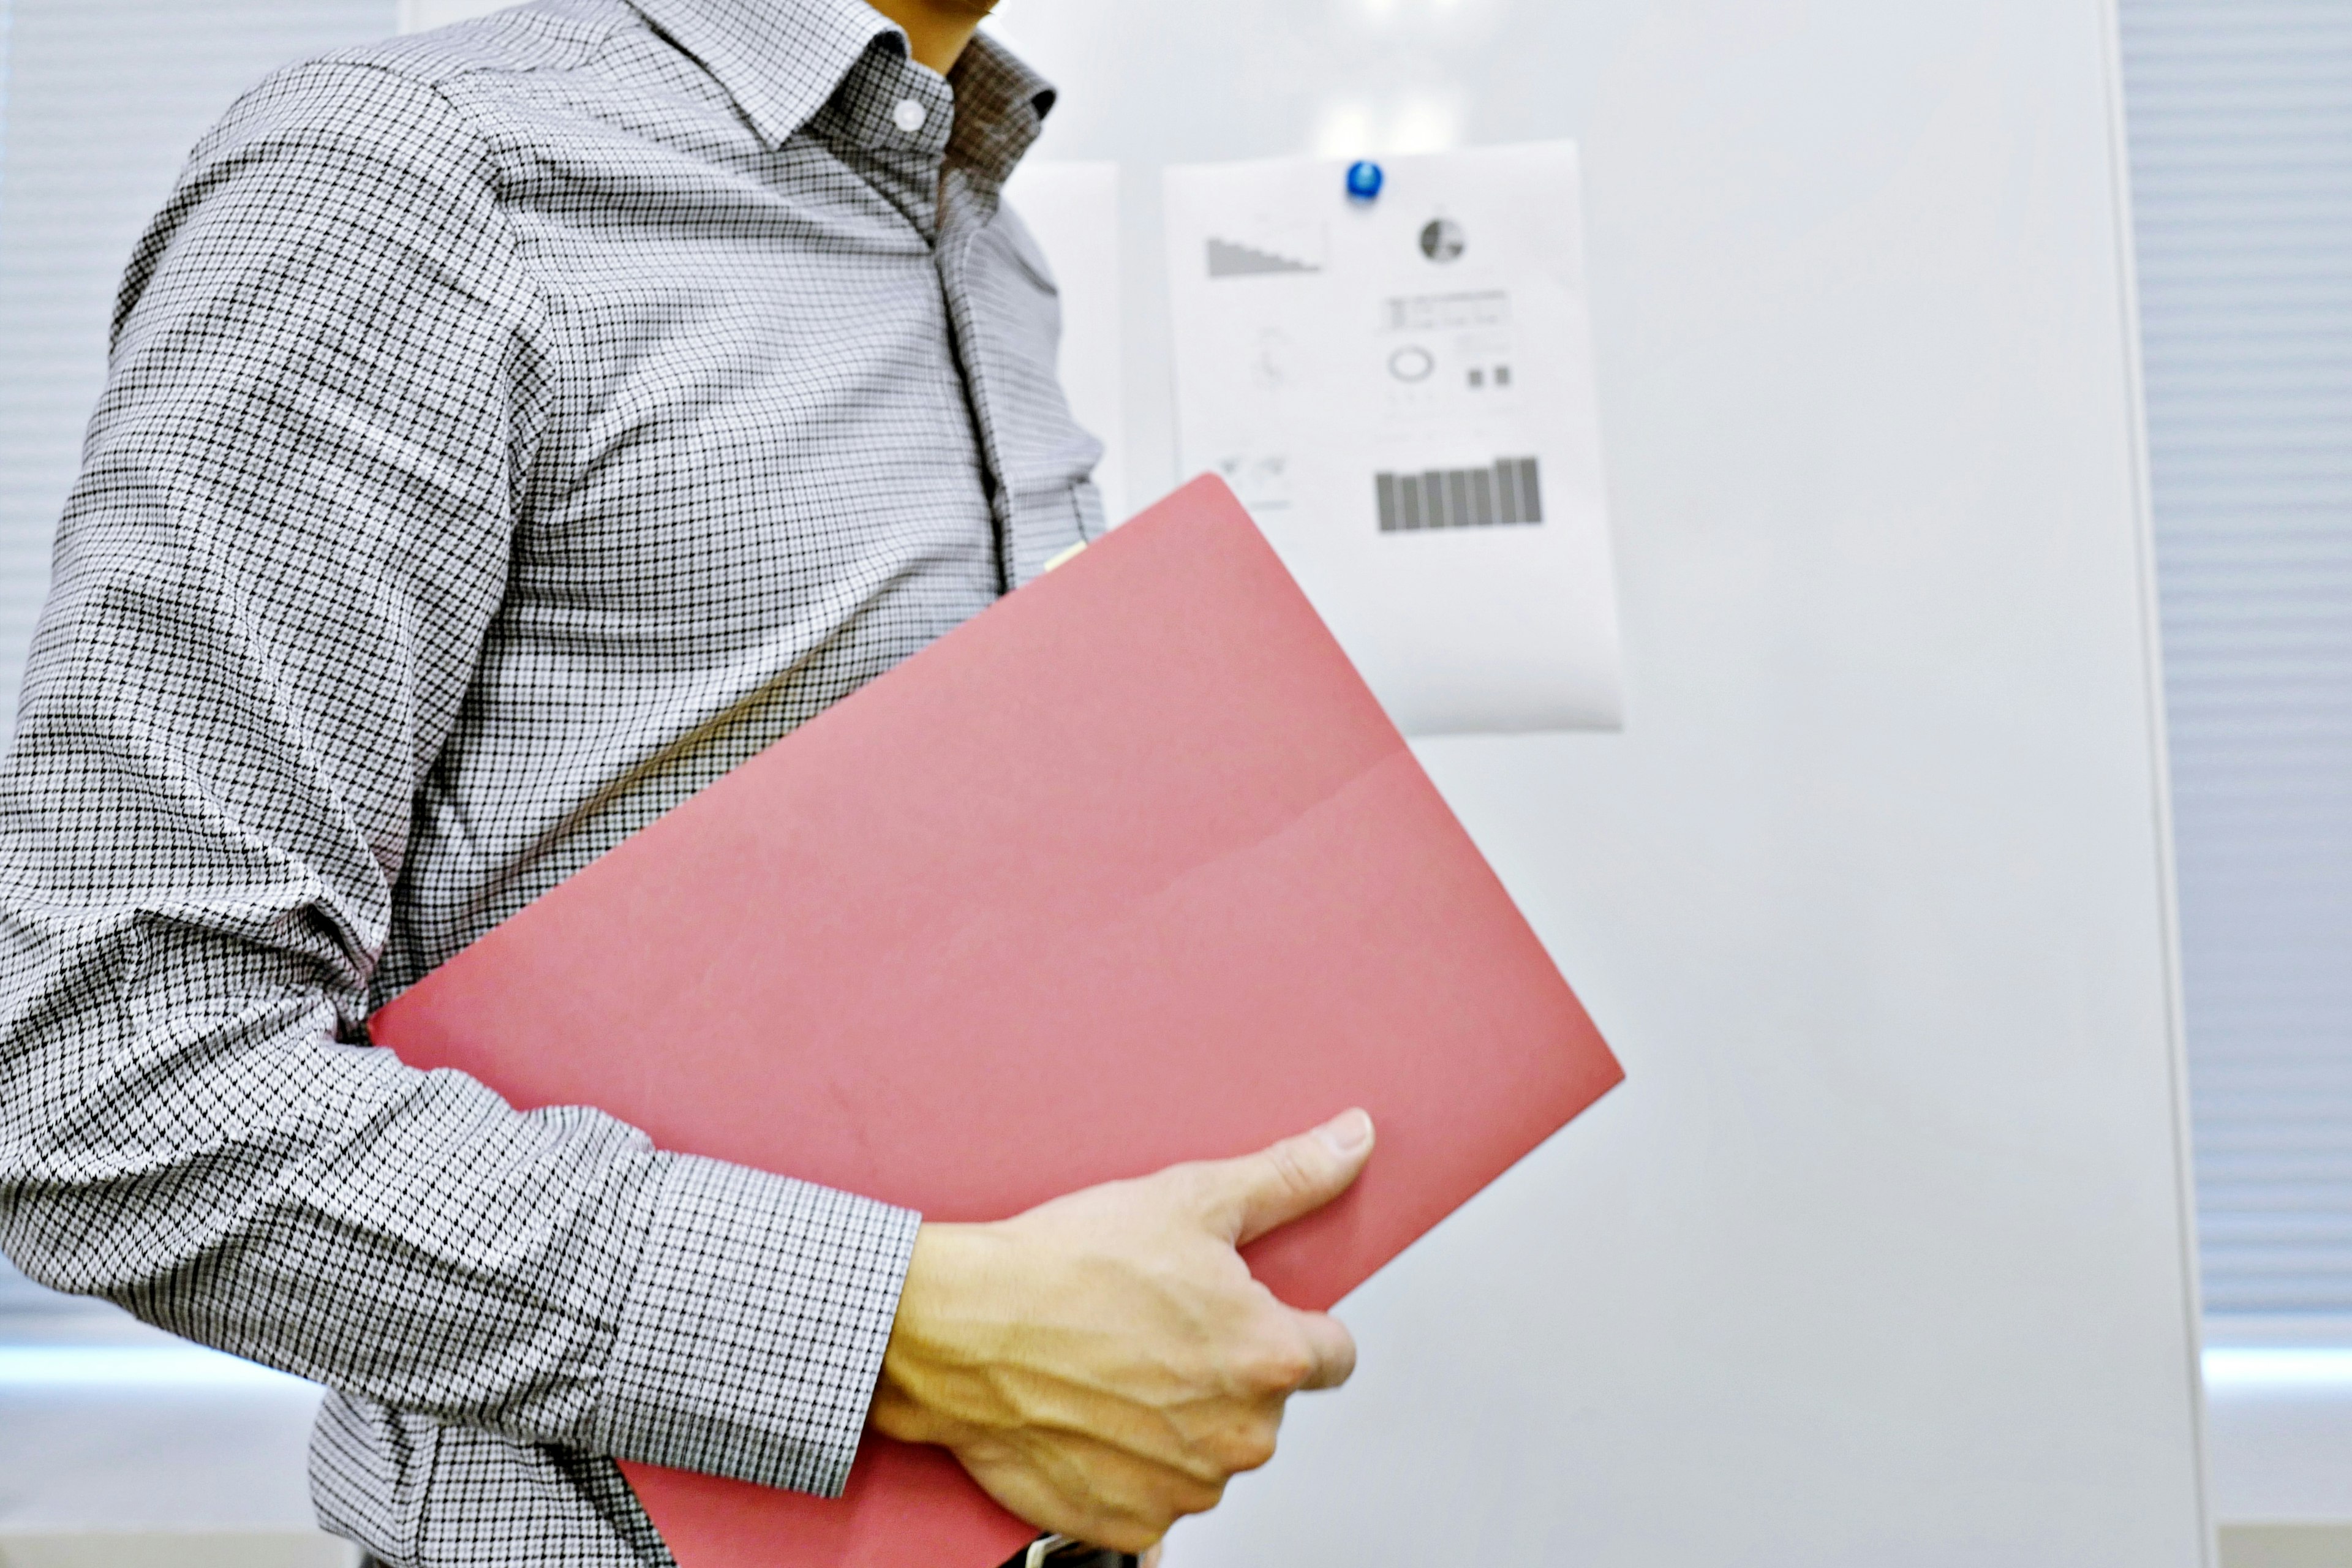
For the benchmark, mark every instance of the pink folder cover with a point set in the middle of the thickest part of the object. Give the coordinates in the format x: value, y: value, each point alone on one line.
x: 1131, y: 869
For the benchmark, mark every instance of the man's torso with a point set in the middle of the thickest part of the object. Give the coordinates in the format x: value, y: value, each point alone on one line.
x: 790, y: 414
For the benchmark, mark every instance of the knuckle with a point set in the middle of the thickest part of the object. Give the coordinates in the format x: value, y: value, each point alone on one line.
x: 1247, y: 1445
x: 1152, y: 1520
x: 1263, y: 1443
x: 1252, y: 1449
x: 1343, y: 1358
x: 1129, y: 1537
x: 1281, y: 1369
x: 1290, y: 1168
x: 1197, y: 1497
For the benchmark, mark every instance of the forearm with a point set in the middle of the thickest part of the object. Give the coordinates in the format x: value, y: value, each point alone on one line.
x: 312, y: 1207
x: 408, y: 1239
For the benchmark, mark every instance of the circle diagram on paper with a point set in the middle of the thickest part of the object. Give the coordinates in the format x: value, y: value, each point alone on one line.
x: 1413, y: 365
x: 1442, y: 240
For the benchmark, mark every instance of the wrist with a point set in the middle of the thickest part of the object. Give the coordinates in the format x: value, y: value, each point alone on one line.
x: 939, y: 1342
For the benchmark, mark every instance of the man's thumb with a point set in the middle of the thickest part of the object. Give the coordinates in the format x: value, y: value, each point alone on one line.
x: 1265, y: 1190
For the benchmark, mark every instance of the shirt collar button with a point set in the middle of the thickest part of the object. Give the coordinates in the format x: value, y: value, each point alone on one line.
x: 909, y: 116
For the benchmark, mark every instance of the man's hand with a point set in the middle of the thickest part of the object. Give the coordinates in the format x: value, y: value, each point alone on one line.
x: 1105, y: 1363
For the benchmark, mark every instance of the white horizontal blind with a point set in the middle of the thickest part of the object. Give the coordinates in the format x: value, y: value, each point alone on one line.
x: 416, y: 15
x: 15, y: 1293
x: 103, y: 99
x: 2240, y: 114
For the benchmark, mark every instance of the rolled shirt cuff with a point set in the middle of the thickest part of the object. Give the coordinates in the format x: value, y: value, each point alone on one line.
x: 754, y: 1328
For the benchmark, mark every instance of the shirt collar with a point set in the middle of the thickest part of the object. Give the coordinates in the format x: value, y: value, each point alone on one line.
x: 782, y: 61
x: 1001, y: 108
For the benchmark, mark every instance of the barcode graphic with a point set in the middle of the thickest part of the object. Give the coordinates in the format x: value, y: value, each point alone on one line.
x: 1506, y: 495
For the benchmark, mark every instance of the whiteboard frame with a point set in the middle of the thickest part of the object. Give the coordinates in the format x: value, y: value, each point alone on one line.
x: 2159, y: 759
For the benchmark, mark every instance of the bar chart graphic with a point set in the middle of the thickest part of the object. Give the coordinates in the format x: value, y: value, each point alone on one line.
x: 1230, y: 259
x: 1507, y: 495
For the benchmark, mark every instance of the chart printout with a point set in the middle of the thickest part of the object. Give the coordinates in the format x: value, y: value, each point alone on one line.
x: 1401, y: 390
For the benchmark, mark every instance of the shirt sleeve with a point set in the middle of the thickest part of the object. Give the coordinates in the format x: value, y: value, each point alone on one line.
x: 271, y: 587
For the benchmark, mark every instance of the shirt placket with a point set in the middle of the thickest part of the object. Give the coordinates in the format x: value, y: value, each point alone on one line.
x: 964, y: 212
x: 901, y: 117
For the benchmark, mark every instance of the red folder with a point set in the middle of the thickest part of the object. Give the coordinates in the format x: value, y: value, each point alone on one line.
x: 1129, y: 871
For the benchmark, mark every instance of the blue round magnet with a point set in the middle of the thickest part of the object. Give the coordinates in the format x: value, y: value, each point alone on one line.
x: 1365, y: 180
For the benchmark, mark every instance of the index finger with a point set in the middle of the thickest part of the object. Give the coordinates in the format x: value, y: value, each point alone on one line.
x: 1332, y: 1349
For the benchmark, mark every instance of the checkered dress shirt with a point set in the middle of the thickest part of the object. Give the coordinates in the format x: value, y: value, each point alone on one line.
x: 508, y: 431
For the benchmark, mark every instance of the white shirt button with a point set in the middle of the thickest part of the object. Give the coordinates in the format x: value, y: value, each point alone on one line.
x: 909, y: 116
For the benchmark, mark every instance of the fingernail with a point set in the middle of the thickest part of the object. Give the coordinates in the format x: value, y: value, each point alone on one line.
x: 1346, y: 1134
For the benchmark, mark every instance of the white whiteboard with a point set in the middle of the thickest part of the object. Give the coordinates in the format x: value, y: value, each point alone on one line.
x: 1882, y: 1255
x: 1073, y: 211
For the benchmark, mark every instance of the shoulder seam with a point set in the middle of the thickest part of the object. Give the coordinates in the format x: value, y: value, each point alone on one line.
x: 494, y: 174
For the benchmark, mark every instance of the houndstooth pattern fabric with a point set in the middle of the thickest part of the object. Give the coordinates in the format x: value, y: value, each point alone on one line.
x: 508, y: 431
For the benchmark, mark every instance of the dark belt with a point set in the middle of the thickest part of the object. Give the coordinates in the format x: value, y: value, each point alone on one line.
x: 1069, y: 1554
